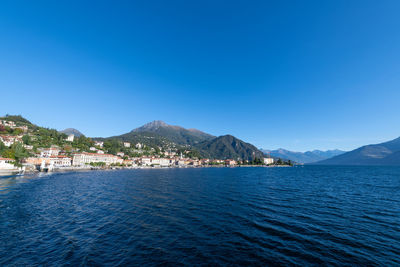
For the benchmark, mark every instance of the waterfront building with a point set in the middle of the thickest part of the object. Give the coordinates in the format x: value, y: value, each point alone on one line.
x: 230, y: 162
x: 54, y: 161
x: 81, y: 159
x: 60, y: 161
x: 6, y: 163
x: 268, y: 161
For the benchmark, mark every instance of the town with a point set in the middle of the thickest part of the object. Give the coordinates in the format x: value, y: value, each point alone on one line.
x: 29, y: 148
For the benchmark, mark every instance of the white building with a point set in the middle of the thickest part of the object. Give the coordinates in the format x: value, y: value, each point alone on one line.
x: 9, y: 140
x: 6, y: 163
x: 146, y: 161
x: 7, y: 123
x: 99, y: 143
x: 121, y: 154
x: 165, y: 162
x: 92, y: 148
x: 139, y: 146
x: 60, y: 161
x: 49, y: 152
x: 268, y: 161
x: 81, y: 159
x: 70, y: 138
x: 127, y: 144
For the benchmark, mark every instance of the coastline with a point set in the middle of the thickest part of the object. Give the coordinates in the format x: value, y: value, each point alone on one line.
x: 77, y: 169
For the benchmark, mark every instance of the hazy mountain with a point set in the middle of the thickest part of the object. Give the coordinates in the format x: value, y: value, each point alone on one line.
x: 303, y: 157
x: 228, y: 147
x: 176, y: 134
x: 73, y: 131
x: 387, y: 153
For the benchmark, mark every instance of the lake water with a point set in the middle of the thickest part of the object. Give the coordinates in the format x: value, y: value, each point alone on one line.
x: 309, y: 215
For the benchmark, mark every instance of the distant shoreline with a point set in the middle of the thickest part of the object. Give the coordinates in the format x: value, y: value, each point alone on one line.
x: 73, y: 169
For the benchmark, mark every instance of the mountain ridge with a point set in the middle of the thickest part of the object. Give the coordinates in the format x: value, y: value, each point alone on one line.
x: 303, y: 157
x: 386, y: 153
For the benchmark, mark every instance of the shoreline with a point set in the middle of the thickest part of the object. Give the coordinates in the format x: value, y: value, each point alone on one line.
x: 78, y: 169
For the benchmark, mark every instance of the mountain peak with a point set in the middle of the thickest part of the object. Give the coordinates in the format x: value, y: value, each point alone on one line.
x: 151, y: 126
x: 73, y: 131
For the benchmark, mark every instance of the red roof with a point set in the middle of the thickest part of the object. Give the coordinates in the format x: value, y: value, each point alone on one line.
x: 7, y: 159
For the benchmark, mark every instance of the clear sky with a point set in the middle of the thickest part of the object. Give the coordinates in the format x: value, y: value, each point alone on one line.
x: 294, y: 74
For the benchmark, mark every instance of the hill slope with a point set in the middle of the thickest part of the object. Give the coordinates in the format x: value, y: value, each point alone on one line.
x: 387, y: 153
x: 228, y: 147
x: 303, y: 157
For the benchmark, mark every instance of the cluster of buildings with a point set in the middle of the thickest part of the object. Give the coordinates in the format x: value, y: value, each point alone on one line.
x: 12, y: 125
x: 9, y: 140
x: 54, y: 157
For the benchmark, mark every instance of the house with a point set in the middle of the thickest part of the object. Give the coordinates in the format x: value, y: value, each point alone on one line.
x: 92, y: 148
x: 9, y: 140
x: 60, y: 161
x: 164, y: 162
x: 7, y: 123
x: 49, y: 152
x: 29, y: 147
x: 6, y: 163
x: 230, y: 162
x: 121, y: 154
x: 128, y: 162
x: 139, y: 146
x: 70, y: 138
x: 99, y: 143
x: 268, y: 161
x: 146, y: 161
x: 84, y: 158
x: 127, y: 144
x: 54, y: 161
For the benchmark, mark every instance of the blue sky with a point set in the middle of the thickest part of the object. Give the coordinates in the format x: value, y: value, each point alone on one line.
x: 294, y: 74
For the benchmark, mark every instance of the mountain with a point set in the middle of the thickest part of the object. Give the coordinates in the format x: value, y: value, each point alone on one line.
x: 161, y: 134
x: 303, y: 157
x: 228, y: 147
x: 176, y: 134
x: 387, y: 153
x: 73, y: 131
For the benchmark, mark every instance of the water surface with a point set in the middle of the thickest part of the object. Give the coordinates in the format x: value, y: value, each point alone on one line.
x: 208, y: 216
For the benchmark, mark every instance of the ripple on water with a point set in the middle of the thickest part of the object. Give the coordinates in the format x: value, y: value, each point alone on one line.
x: 313, y: 215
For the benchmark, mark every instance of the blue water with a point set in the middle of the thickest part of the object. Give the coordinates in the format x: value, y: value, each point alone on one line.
x: 311, y: 215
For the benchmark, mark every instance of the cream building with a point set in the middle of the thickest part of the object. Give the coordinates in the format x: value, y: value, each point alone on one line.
x: 84, y: 158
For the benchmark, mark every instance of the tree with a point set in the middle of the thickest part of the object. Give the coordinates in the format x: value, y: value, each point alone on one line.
x: 26, y: 139
x: 19, y: 152
x: 2, y: 147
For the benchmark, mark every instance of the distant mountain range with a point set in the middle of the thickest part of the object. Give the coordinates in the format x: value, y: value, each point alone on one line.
x: 73, y: 131
x: 303, y: 157
x: 387, y: 153
x: 162, y: 134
